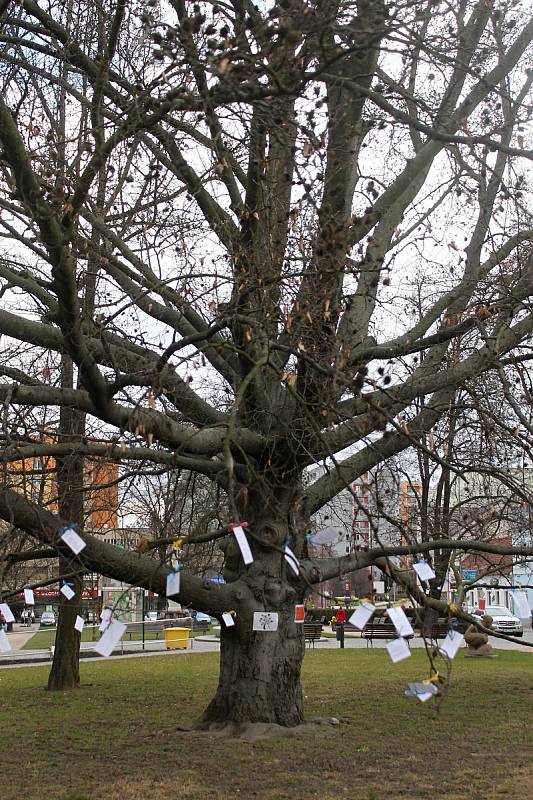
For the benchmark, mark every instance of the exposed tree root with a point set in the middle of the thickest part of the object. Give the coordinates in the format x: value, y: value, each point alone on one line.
x: 252, y: 731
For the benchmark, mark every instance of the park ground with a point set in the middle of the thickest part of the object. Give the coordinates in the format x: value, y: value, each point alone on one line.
x: 118, y: 738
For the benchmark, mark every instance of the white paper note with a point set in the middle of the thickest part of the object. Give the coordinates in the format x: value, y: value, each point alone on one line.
x: 72, y: 540
x: 398, y: 650
x: 452, y: 643
x: 244, y: 547
x: 5, y: 647
x: 79, y: 623
x: 423, y: 691
x: 6, y: 612
x: 105, y: 616
x: 67, y: 591
x: 361, y: 615
x: 521, y: 604
x: 110, y: 638
x: 228, y: 620
x: 29, y: 599
x: 424, y: 571
x: 265, y: 621
x: 291, y: 560
x: 173, y: 583
x: 400, y: 621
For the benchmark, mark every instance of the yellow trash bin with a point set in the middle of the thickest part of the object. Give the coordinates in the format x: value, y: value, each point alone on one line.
x: 177, y: 638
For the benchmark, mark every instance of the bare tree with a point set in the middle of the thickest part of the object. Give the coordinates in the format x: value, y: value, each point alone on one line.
x: 271, y: 177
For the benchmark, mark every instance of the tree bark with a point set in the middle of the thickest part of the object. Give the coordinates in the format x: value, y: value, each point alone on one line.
x: 259, y: 679
x: 65, y: 672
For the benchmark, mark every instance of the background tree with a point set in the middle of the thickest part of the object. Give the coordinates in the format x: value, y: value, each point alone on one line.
x: 271, y: 176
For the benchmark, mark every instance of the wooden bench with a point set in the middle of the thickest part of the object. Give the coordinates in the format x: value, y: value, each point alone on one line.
x: 442, y: 629
x: 187, y: 622
x: 149, y: 627
x: 380, y: 629
x: 202, y: 626
x: 312, y: 632
x: 349, y: 628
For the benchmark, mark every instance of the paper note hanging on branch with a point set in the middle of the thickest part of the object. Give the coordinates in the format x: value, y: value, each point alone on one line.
x: 5, y: 647
x: 67, y: 591
x: 110, y: 638
x: 452, y: 643
x: 400, y: 621
x: 72, y: 540
x: 422, y: 691
x: 6, y: 612
x: 299, y: 613
x: 398, y: 650
x: 424, y: 571
x: 361, y: 615
x: 244, y: 547
x: 78, y: 625
x: 291, y: 560
x: 265, y: 621
x: 173, y: 583
x: 29, y: 599
x: 228, y: 620
x: 521, y: 604
x: 105, y: 616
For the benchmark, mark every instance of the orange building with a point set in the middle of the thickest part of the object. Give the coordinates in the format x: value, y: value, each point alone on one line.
x: 36, y: 478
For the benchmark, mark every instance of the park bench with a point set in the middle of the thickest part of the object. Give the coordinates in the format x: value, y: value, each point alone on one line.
x: 187, y: 622
x: 312, y: 632
x: 442, y: 628
x: 202, y: 626
x: 380, y: 628
x: 149, y: 627
x: 349, y: 628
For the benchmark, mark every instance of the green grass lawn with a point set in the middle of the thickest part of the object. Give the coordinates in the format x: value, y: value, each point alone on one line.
x: 117, y: 739
x: 46, y: 636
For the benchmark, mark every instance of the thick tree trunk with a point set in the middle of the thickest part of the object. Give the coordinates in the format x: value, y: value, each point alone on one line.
x: 259, y: 678
x: 65, y: 672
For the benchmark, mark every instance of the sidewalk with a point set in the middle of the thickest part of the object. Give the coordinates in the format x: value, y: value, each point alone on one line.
x: 19, y: 657
x: 20, y: 635
x: 200, y: 644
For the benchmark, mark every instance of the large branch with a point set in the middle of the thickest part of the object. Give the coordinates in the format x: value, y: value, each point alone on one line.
x: 333, y: 567
x: 141, y: 365
x: 424, y: 381
x: 188, y: 440
x: 131, y: 568
x: 114, y: 451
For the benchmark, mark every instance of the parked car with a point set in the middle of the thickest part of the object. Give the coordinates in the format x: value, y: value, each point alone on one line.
x: 150, y: 616
x: 503, y: 621
x: 199, y: 616
x: 47, y: 618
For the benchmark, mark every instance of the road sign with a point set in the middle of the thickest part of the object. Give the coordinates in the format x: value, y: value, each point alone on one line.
x: 470, y: 574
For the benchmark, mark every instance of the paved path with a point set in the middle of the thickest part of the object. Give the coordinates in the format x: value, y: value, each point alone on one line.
x: 203, y: 644
x: 20, y: 635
